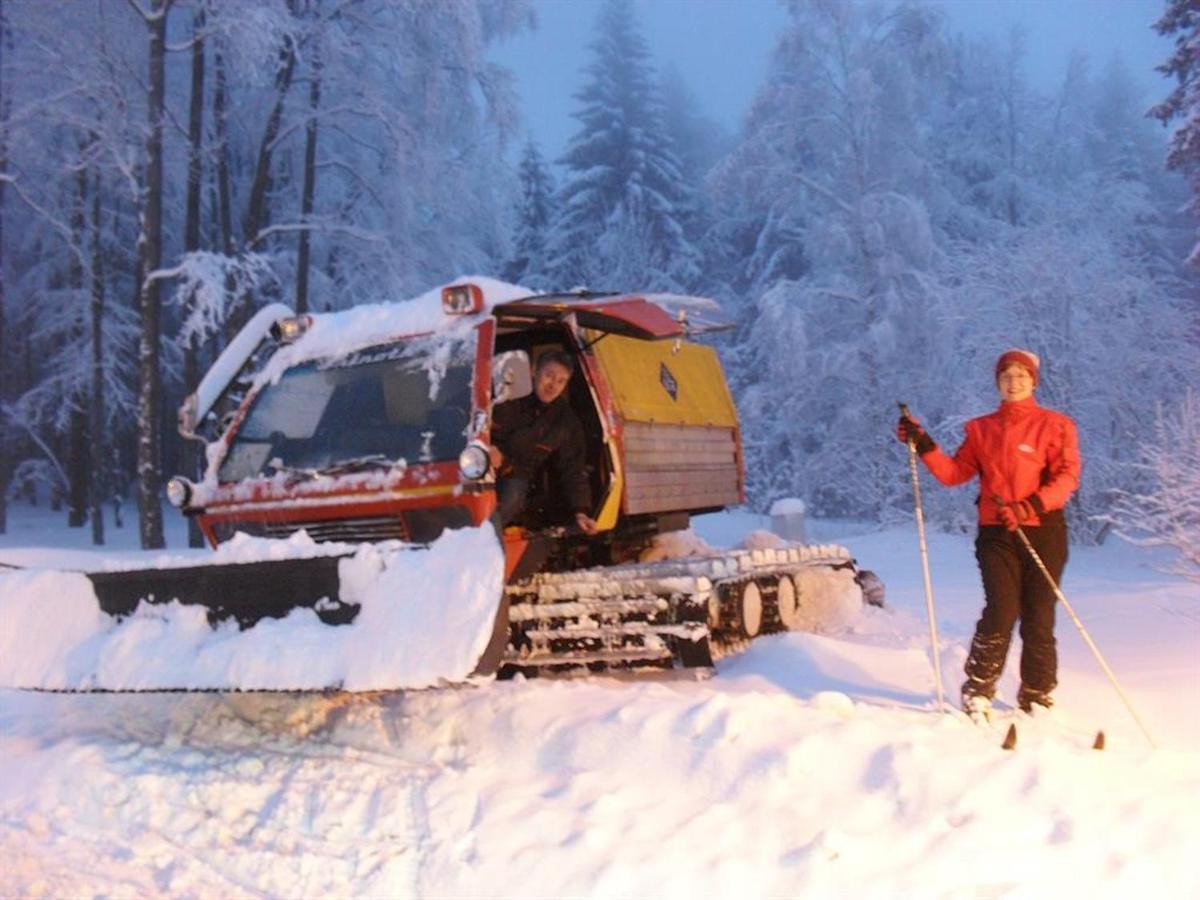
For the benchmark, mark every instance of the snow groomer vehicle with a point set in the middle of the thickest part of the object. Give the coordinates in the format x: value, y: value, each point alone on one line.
x: 365, y: 433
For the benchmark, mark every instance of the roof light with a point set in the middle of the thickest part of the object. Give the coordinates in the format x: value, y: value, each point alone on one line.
x: 462, y: 299
x: 290, y: 329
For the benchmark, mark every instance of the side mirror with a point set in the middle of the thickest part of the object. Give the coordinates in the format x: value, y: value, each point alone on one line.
x: 512, y: 377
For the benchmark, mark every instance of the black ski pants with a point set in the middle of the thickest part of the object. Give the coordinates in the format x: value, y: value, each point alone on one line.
x: 1015, y: 589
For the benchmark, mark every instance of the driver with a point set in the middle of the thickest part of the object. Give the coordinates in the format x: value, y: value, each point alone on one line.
x: 540, y: 430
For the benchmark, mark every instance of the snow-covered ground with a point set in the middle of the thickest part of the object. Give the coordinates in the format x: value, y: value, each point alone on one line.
x: 811, y: 765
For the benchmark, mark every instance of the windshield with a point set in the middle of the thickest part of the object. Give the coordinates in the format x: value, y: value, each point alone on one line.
x: 404, y: 401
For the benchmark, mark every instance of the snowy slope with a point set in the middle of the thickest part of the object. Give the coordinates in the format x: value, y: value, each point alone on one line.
x: 812, y: 765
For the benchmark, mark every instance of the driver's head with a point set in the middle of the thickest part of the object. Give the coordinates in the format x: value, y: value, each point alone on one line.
x: 552, y: 374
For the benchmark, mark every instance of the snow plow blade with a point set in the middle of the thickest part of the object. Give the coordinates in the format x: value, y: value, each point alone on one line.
x: 366, y: 617
x: 244, y: 592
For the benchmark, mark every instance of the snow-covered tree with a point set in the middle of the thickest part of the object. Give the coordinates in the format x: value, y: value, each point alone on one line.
x: 70, y: 161
x: 1182, y: 19
x: 412, y: 123
x: 1089, y: 312
x: 699, y: 143
x: 831, y: 172
x: 1165, y: 511
x: 902, y: 206
x: 621, y: 209
x: 527, y: 265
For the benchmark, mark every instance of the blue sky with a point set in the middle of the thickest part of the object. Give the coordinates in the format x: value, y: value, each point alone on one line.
x: 721, y: 48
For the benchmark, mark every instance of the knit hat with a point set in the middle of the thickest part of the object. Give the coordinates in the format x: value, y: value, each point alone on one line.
x: 1027, y: 359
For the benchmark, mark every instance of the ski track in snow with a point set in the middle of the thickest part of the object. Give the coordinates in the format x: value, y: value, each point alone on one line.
x: 811, y: 765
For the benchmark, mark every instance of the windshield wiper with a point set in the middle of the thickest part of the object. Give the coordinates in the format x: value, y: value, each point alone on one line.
x: 341, y: 467
x: 277, y: 465
x: 358, y: 464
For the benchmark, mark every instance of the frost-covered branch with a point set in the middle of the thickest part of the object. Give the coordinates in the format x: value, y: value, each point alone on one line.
x: 210, y: 286
x: 1166, y: 512
x: 323, y: 226
x: 18, y: 421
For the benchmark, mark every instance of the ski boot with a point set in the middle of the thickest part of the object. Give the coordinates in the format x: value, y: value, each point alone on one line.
x: 1034, y: 703
x: 978, y: 708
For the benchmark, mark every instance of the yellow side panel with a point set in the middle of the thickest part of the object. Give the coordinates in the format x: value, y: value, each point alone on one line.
x: 644, y: 374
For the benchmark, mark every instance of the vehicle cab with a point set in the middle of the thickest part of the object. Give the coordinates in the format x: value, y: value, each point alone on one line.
x: 373, y: 423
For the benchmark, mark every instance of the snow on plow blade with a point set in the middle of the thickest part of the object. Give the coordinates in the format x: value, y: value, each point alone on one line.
x: 403, y: 617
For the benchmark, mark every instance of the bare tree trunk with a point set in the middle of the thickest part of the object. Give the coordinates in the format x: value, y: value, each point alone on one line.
x: 77, y: 443
x: 190, y: 458
x: 191, y: 229
x: 256, y: 209
x: 224, y: 193
x: 97, y: 446
x: 310, y: 182
x: 6, y: 438
x: 149, y: 445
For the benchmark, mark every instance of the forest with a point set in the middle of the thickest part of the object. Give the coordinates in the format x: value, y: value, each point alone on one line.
x: 899, y: 205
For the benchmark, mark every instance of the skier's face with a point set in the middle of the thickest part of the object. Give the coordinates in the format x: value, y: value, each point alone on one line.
x: 1015, y: 383
x: 550, y: 380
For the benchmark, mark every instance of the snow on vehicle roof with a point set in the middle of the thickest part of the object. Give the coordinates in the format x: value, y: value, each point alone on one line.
x: 337, y: 333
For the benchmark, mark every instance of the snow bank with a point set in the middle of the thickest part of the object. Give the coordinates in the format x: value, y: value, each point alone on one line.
x: 811, y: 766
x: 426, y: 617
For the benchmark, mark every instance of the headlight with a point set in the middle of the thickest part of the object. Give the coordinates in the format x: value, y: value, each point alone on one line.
x: 179, y: 491
x: 474, y: 461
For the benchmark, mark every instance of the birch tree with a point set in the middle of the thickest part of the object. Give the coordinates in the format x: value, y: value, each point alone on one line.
x: 150, y: 246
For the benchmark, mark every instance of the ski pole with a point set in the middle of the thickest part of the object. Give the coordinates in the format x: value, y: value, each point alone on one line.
x: 920, y: 516
x: 1083, y: 631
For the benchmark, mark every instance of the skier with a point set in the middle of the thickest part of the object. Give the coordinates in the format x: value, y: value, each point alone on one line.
x: 1027, y: 460
x: 540, y: 431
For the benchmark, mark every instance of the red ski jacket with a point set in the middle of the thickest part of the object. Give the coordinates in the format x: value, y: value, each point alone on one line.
x: 1021, y: 451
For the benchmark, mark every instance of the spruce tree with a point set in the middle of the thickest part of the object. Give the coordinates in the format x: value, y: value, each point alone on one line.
x: 1182, y: 19
x: 620, y: 212
x: 528, y: 263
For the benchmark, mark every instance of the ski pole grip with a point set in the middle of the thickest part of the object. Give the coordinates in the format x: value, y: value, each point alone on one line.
x: 905, y: 414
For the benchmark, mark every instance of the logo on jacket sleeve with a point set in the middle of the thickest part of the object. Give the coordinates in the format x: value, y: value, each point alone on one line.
x: 1025, y: 448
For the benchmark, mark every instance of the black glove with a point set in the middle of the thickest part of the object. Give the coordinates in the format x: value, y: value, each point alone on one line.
x: 909, y: 429
x: 1014, y: 515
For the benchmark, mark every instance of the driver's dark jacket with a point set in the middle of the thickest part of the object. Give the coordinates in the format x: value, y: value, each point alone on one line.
x: 533, y: 435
